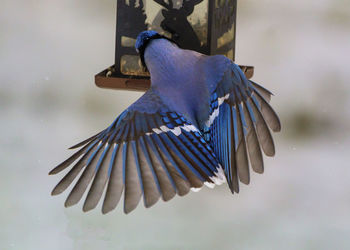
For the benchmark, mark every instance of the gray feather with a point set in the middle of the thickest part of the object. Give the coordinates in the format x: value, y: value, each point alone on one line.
x: 255, y: 155
x: 192, y: 178
x: 151, y: 194
x: 115, y: 183
x: 133, y: 190
x: 232, y: 157
x: 85, y: 179
x: 168, y: 191
x: 99, y: 181
x: 70, y: 160
x: 182, y: 186
x: 269, y: 114
x: 241, y: 153
x: 78, y: 145
x: 264, y: 92
x: 263, y: 132
x: 73, y: 173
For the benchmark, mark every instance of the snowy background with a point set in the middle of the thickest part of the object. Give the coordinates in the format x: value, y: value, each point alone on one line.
x: 49, y: 53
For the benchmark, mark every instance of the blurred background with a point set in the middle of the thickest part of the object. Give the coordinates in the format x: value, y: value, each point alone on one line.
x: 49, y: 53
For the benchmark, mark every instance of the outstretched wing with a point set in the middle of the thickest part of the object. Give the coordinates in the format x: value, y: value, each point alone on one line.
x: 147, y: 151
x: 239, y: 124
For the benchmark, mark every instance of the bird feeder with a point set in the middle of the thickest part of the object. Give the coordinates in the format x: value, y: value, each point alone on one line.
x: 206, y: 26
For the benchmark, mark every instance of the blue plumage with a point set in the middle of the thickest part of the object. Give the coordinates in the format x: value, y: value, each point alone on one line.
x: 198, y: 124
x: 143, y: 38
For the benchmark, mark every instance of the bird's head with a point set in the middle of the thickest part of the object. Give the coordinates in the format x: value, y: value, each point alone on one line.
x: 144, y: 39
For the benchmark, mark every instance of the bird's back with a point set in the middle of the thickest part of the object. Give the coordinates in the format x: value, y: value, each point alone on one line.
x: 185, y: 79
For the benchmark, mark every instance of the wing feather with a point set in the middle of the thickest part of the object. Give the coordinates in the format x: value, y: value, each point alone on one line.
x: 181, y: 181
x: 100, y: 179
x: 85, y: 179
x: 233, y: 143
x: 241, y: 153
x: 74, y: 171
x: 133, y: 187
x: 255, y: 155
x: 269, y: 114
x: 239, y: 122
x: 264, y: 134
x: 115, y: 183
x: 264, y: 92
x: 72, y: 159
x: 166, y: 181
x: 151, y: 192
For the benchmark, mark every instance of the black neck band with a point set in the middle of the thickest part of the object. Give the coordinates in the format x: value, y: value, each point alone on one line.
x: 146, y: 43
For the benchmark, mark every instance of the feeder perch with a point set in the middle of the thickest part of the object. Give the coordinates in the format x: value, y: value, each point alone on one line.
x: 206, y: 26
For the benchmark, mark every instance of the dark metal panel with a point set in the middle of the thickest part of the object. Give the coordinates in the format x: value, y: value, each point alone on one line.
x: 174, y: 18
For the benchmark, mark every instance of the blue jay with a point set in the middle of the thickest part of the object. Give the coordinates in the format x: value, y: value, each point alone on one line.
x: 199, y: 123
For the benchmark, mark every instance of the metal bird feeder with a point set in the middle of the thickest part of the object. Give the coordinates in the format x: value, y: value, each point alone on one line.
x: 206, y: 26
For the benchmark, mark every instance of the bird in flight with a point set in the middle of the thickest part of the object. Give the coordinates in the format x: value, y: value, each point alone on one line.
x: 202, y: 122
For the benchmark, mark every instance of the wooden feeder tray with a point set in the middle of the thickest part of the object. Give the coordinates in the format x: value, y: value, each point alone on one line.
x: 105, y: 79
